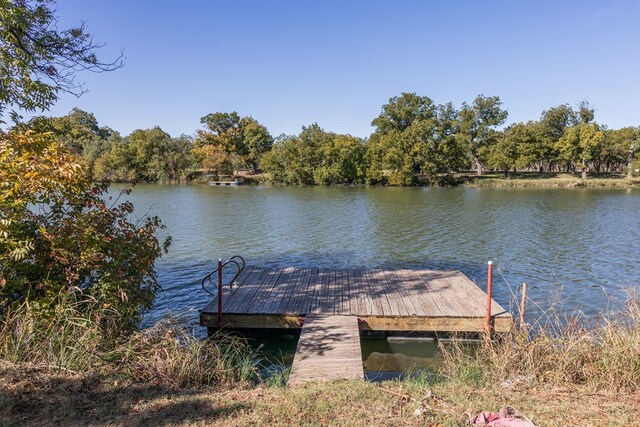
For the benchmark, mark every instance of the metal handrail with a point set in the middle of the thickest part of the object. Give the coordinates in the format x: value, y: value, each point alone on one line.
x: 240, y: 264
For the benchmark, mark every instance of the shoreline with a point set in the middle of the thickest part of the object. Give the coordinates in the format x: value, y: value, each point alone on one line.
x: 560, y: 181
x: 490, y: 180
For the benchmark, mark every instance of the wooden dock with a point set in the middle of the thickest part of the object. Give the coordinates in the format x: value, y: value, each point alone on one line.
x: 328, y: 349
x: 382, y: 300
x: 225, y: 183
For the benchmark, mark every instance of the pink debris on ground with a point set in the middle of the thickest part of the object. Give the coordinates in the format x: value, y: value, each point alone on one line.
x: 505, y: 417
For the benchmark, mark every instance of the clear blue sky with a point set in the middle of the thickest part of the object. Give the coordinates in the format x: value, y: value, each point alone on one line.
x: 292, y: 63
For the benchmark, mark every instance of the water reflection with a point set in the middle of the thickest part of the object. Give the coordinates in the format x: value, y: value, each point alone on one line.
x: 382, y: 358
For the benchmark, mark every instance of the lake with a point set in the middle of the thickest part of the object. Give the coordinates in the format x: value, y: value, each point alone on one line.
x: 578, y: 249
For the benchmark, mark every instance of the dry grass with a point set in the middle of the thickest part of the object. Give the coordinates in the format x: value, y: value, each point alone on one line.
x: 563, y: 180
x: 167, y: 354
x: 32, y: 397
x: 602, y: 357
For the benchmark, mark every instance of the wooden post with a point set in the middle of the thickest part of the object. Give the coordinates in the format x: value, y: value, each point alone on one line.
x: 523, y: 305
x: 220, y: 291
x: 488, y: 326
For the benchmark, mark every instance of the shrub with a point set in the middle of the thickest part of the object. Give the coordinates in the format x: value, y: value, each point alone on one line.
x: 62, y: 241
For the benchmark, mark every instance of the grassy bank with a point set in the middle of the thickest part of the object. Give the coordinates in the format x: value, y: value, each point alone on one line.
x: 515, y: 180
x: 548, y: 180
x: 577, y: 372
x: 33, y: 397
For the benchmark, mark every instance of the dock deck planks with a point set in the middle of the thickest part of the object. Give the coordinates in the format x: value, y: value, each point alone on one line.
x: 328, y: 349
x: 400, y: 300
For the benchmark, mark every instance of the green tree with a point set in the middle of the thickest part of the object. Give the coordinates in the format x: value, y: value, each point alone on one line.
x: 77, y: 129
x: 256, y: 140
x: 316, y: 157
x: 414, y: 140
x: 148, y: 155
x: 150, y: 148
x: 39, y: 61
x: 556, y: 120
x: 519, y: 146
x: 283, y: 161
x: 580, y: 145
x: 553, y: 124
x: 503, y: 155
x: 96, y: 148
x: 402, y: 111
x: 240, y: 141
x: 478, y: 123
x: 341, y: 161
x: 116, y: 163
x: 620, y: 147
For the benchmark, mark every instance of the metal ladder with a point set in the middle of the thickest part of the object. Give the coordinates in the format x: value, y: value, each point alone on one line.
x: 235, y: 261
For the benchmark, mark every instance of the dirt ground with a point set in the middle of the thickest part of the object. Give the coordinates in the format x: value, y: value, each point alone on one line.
x: 37, y: 397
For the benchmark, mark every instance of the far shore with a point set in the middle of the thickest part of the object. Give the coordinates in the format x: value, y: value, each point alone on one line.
x: 550, y: 180
x: 493, y: 180
x: 459, y: 179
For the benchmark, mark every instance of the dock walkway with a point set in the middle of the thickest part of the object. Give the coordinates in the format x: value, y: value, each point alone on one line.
x: 328, y: 349
x: 383, y: 300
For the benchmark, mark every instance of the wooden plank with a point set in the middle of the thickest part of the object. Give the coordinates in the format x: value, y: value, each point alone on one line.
x: 244, y: 292
x: 477, y: 294
x: 327, y: 302
x: 335, y: 297
x: 365, y: 302
x: 253, y: 321
x: 308, y: 294
x: 427, y: 324
x: 457, y: 296
x: 474, y: 302
x: 303, y: 292
x: 399, y: 294
x: 433, y: 324
x: 440, y: 292
x: 464, y: 295
x: 279, y: 291
x: 328, y: 349
x: 313, y: 291
x: 355, y: 294
x: 422, y: 295
x: 410, y: 282
x: 261, y: 298
x: 319, y: 292
x: 298, y: 295
x: 379, y: 295
x: 342, y: 305
x: 288, y: 290
x: 398, y: 307
x: 297, y: 292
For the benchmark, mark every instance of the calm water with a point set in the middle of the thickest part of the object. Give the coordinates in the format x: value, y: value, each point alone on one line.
x: 578, y: 248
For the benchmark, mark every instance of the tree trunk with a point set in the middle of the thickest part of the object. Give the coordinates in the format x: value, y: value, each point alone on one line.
x: 585, y: 169
x: 479, y: 167
x: 632, y: 150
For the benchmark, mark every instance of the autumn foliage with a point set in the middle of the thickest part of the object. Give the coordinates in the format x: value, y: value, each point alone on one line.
x: 63, y: 238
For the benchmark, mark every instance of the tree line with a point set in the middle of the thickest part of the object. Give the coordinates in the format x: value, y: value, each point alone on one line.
x: 415, y: 142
